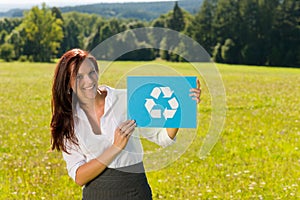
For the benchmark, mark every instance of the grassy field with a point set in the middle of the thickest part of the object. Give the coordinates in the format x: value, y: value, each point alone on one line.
x: 256, y: 157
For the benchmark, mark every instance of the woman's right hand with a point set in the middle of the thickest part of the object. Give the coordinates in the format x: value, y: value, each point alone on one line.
x: 94, y: 167
x: 123, y: 133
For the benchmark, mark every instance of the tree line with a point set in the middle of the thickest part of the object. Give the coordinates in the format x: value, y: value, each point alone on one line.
x: 138, y: 10
x: 253, y: 32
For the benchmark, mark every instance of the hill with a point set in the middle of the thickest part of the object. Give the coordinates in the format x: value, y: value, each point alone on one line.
x: 139, y: 10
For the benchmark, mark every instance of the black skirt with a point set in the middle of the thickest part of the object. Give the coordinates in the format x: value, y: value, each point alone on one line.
x: 119, y: 184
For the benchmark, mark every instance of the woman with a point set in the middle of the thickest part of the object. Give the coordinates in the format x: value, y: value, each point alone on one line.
x: 101, y: 148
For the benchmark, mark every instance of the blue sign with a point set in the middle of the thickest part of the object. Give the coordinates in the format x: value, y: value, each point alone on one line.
x: 161, y: 101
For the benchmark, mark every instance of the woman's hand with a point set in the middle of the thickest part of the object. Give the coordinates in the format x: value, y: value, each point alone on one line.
x: 94, y: 167
x: 123, y: 133
x: 196, y: 92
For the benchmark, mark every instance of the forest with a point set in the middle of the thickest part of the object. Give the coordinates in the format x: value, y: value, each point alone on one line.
x: 252, y: 32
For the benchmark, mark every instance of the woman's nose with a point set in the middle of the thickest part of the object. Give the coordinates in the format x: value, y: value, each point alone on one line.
x: 88, y: 79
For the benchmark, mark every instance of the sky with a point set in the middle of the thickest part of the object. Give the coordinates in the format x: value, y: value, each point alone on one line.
x: 6, y: 5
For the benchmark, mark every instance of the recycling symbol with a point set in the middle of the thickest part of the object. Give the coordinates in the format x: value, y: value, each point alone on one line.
x: 165, y: 93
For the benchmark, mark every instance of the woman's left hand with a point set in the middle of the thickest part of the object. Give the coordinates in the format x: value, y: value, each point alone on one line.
x: 196, y: 92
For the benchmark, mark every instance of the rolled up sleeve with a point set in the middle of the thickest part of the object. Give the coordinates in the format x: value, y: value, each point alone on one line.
x: 157, y: 135
x: 74, y: 160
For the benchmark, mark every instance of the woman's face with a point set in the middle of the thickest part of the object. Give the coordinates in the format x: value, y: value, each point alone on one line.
x: 85, y: 83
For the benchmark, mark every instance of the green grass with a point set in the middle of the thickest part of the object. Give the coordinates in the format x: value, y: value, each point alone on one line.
x: 256, y: 157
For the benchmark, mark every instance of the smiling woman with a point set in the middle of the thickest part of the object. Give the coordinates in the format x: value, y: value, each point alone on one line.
x: 89, y: 125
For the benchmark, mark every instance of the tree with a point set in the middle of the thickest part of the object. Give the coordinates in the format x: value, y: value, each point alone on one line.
x: 285, y: 37
x: 251, y: 51
x: 176, y: 22
x: 156, y: 39
x: 266, y: 19
x: 161, y: 22
x: 3, y: 34
x: 229, y: 52
x: 140, y: 50
x: 104, y: 31
x: 95, y: 39
x: 138, y: 24
x: 201, y: 29
x: 8, y: 24
x: 57, y: 13
x: 43, y: 33
x: 164, y: 53
x: 226, y: 23
x: 167, y: 47
x: 7, y: 52
x: 217, y: 57
x: 71, y: 38
x: 16, y: 38
x: 111, y: 28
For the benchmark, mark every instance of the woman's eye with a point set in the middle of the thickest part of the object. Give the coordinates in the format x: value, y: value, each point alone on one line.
x: 79, y: 77
x: 92, y: 72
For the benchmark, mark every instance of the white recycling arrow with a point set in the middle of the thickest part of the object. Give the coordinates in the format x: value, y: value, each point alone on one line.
x: 155, y: 113
x: 155, y: 92
x: 149, y: 104
x: 169, y: 113
x: 166, y: 91
x: 173, y: 103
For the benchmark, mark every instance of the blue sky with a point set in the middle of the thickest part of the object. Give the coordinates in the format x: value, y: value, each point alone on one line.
x: 6, y: 5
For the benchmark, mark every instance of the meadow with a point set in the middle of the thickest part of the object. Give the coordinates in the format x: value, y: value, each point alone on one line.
x: 256, y: 157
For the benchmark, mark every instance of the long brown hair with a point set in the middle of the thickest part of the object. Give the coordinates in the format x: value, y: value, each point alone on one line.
x: 62, y: 123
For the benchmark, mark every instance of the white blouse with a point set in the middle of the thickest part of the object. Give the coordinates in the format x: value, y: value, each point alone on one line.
x: 92, y: 145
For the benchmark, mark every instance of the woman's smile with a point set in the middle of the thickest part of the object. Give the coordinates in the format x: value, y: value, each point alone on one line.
x: 90, y: 87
